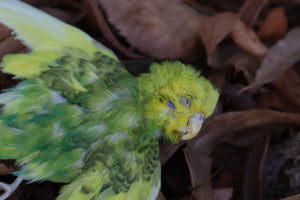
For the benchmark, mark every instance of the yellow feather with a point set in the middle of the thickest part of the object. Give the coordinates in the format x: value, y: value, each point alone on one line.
x: 28, y: 65
x: 40, y: 31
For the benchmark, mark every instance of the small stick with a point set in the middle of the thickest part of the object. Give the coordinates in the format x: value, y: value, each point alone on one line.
x: 10, y: 188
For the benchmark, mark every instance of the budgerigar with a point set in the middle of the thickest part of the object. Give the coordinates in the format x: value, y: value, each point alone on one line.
x: 78, y: 117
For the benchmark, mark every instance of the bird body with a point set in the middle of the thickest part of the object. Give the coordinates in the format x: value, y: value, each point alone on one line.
x: 78, y: 117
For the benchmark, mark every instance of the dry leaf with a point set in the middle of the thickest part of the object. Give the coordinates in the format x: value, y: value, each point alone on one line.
x: 255, y: 168
x: 250, y: 11
x: 4, y: 32
x: 58, y: 13
x: 96, y: 16
x: 201, y: 8
x: 4, y: 170
x: 10, y: 45
x: 294, y: 197
x: 247, y: 39
x: 274, y: 26
x: 167, y: 150
x: 214, y: 29
x: 289, y: 86
x: 160, y: 28
x: 276, y: 100
x: 281, y: 56
x: 160, y: 196
x: 168, y: 29
x: 219, y: 127
x: 223, y: 193
x: 230, y: 5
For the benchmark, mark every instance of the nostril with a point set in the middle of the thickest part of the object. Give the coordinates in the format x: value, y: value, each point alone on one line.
x: 202, y: 116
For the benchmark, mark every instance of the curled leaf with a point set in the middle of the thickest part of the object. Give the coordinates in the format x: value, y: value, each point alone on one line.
x: 214, y: 29
x: 250, y: 10
x: 162, y: 29
x: 247, y: 39
x: 280, y: 57
x: 274, y: 26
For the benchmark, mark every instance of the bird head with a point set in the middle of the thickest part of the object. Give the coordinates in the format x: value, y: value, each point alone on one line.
x: 177, y: 99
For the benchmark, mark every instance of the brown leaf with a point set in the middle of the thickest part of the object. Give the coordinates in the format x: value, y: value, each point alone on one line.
x: 4, y: 170
x: 10, y: 45
x: 274, y: 26
x: 294, y: 197
x: 276, y: 100
x: 162, y: 29
x: 255, y: 168
x: 223, y: 193
x: 289, y: 86
x: 201, y: 8
x: 214, y: 29
x: 4, y: 32
x: 250, y: 11
x: 96, y: 16
x: 58, y: 13
x: 160, y: 196
x: 280, y: 57
x: 167, y: 150
x: 219, y: 127
x: 155, y: 28
x: 39, y: 3
x: 247, y: 39
x: 230, y: 5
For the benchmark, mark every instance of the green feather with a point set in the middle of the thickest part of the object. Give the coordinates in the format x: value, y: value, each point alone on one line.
x: 79, y: 117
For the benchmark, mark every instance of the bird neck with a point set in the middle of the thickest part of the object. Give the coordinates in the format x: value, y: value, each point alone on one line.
x: 121, y: 108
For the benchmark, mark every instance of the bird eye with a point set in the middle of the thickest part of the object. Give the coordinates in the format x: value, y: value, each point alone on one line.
x: 171, y: 104
x: 185, y: 101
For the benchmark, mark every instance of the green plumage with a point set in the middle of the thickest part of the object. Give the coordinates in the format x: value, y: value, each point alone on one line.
x: 79, y: 117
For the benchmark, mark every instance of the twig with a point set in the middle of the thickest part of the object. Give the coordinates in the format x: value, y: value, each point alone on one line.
x: 10, y: 188
x: 190, y: 170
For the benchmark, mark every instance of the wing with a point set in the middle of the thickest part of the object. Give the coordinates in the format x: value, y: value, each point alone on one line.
x: 120, y: 168
x: 34, y: 123
x: 40, y: 31
x: 64, y: 57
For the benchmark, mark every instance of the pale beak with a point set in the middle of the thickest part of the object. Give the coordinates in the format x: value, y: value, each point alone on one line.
x: 194, y: 125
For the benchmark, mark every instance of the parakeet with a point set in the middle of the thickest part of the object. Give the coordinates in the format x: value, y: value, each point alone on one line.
x: 78, y: 117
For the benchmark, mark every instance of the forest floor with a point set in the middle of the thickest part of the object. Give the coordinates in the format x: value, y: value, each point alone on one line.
x: 249, y: 149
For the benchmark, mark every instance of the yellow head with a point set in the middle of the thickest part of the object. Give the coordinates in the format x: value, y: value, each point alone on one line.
x: 177, y: 99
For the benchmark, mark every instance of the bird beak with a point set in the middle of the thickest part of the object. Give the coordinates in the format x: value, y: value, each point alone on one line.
x: 194, y: 125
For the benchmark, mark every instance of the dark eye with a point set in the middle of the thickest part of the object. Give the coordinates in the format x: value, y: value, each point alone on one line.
x: 171, y: 104
x: 185, y: 101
